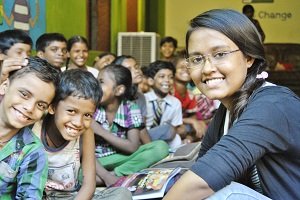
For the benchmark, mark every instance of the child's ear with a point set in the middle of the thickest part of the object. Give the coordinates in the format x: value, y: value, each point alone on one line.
x: 40, y: 54
x: 150, y: 81
x: 51, y: 109
x: 4, y: 86
x: 68, y: 54
x: 249, y: 61
x: 119, y: 90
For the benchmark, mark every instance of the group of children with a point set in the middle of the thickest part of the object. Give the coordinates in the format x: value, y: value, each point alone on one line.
x: 94, y: 123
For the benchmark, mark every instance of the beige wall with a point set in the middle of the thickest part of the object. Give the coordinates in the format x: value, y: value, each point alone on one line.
x: 276, y: 28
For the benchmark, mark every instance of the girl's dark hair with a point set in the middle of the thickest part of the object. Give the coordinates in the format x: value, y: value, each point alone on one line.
x: 75, y: 39
x: 101, y: 55
x: 78, y: 83
x: 72, y: 41
x: 122, y: 76
x: 119, y: 61
x: 9, y: 38
x: 239, y: 29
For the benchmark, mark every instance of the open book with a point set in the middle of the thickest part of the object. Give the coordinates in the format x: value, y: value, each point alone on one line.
x: 149, y: 183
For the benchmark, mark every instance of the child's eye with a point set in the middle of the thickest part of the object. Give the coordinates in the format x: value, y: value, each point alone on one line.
x: 71, y: 111
x: 24, y: 94
x: 90, y: 116
x: 220, y: 54
x: 42, y: 106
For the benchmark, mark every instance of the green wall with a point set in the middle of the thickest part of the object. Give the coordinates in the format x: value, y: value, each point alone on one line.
x: 68, y: 17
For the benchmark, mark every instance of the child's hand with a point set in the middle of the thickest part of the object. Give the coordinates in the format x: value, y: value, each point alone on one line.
x: 200, y: 128
x: 9, y: 65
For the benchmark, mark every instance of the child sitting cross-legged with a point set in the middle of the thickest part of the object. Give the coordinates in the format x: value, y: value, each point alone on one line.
x: 69, y: 141
x: 117, y: 126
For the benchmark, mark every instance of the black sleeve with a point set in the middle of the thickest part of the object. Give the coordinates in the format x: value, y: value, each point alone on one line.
x: 214, y: 131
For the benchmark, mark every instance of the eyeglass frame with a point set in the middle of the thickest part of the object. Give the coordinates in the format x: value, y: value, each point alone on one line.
x: 207, y: 57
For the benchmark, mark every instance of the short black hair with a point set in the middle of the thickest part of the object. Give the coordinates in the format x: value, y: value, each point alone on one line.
x: 45, y: 39
x: 248, y: 8
x: 168, y: 39
x: 9, y: 38
x: 39, y: 67
x: 78, y: 83
x: 155, y: 66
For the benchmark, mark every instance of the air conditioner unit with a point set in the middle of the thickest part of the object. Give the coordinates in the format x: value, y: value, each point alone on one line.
x: 143, y: 46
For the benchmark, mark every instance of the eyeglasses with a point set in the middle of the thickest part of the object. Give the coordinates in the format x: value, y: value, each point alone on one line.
x: 215, y: 59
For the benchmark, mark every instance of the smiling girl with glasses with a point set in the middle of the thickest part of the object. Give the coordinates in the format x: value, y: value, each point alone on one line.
x: 254, y: 136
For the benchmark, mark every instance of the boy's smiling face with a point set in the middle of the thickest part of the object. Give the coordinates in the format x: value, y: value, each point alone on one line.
x: 24, y: 104
x: 162, y: 82
x: 73, y: 116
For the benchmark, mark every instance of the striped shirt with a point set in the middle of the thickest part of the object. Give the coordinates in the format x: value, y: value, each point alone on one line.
x: 23, y: 167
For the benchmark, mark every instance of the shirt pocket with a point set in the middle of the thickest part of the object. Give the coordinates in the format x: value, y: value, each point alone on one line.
x: 7, y: 174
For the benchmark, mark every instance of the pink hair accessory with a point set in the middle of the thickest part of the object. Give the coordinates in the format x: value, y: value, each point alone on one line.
x: 262, y: 75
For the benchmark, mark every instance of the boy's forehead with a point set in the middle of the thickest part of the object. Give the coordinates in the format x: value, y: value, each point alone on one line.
x: 57, y: 43
x: 33, y: 84
x: 20, y: 45
x: 164, y: 72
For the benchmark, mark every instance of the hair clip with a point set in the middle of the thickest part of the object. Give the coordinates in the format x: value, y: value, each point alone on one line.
x: 262, y: 75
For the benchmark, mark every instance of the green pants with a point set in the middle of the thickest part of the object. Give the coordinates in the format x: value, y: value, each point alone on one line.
x: 145, y: 156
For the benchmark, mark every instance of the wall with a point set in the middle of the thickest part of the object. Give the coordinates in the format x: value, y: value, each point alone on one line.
x: 67, y: 16
x: 277, y: 28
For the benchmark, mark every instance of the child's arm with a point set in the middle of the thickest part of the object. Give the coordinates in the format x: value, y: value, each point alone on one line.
x: 88, y: 166
x: 128, y: 146
x: 199, y: 126
x: 9, y: 65
x: 189, y: 185
x: 144, y: 136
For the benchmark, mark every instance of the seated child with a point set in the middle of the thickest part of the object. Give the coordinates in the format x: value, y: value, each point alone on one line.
x: 67, y: 122
x: 117, y: 126
x: 192, y: 129
x: 164, y: 114
x: 168, y: 46
x: 78, y: 53
x: 53, y: 48
x: 103, y: 59
x: 15, y: 46
x: 23, y: 163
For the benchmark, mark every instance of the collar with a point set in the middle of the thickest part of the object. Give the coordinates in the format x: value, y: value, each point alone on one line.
x: 153, y: 97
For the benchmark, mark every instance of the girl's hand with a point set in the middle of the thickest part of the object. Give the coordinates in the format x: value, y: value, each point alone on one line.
x: 9, y: 65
